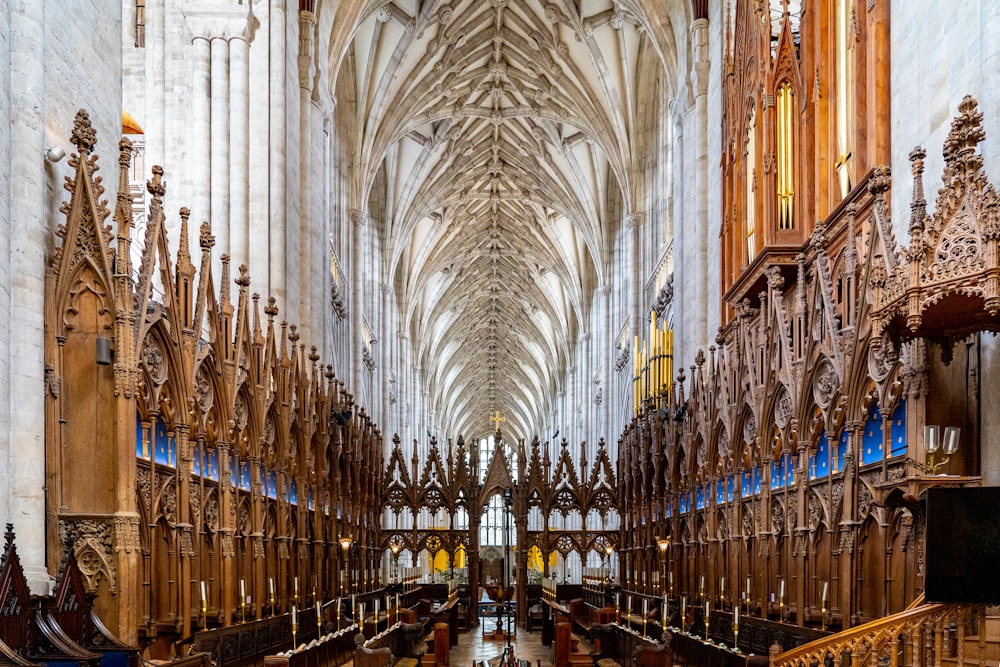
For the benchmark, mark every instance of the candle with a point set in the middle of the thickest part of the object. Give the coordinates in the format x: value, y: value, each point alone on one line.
x: 722, y: 588
x: 352, y: 604
x: 684, y: 604
x: 736, y: 616
x: 296, y: 585
x: 376, y: 610
x: 670, y: 579
x: 204, y: 596
x: 781, y: 591
x: 748, y: 588
x: 361, y: 613
x: 708, y: 610
x: 270, y: 586
x: 824, y: 594
x: 645, y: 606
x: 319, y: 617
x: 701, y: 586
x: 243, y: 590
x: 617, y: 600
x: 295, y: 618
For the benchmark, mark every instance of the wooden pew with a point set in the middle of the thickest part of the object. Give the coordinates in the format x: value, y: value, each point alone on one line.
x: 331, y: 650
x: 617, y: 645
x: 249, y: 643
x: 402, y: 645
x: 30, y: 635
x: 580, y: 615
x: 72, y: 610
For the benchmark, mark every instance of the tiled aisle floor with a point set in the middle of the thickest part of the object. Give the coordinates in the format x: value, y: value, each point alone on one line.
x: 474, y: 648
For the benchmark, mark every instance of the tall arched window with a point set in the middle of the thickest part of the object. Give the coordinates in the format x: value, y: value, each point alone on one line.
x: 751, y: 187
x: 786, y: 164
x: 845, y: 95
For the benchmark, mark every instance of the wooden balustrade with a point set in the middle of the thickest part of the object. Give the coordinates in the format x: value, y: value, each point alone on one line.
x: 922, y: 635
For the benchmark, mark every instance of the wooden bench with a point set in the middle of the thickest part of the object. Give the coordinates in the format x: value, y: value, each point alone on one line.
x: 30, y: 634
x: 328, y: 651
x: 618, y: 646
x: 580, y: 614
x: 71, y: 610
x: 402, y: 645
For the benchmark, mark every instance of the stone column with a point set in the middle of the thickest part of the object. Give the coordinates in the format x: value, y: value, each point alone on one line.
x: 306, y: 155
x: 201, y: 114
x: 239, y: 147
x: 633, y: 222
x: 697, y: 316
x: 25, y: 440
x: 6, y: 195
x: 277, y: 146
x: 219, y: 146
x: 359, y: 220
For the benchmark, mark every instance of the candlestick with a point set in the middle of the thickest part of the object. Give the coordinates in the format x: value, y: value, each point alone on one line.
x: 684, y: 602
x: 295, y: 626
x: 338, y: 614
x: 708, y: 613
x: 295, y: 584
x: 204, y: 606
x: 722, y: 589
x: 270, y: 586
x: 645, y: 611
x: 736, y: 627
x: 319, y: 619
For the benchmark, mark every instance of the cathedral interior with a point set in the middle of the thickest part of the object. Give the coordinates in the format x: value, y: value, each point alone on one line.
x: 353, y: 331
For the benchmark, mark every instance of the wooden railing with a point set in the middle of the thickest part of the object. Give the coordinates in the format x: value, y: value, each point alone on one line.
x: 922, y: 636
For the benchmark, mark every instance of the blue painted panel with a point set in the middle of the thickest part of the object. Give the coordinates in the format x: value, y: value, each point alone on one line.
x: 164, y: 448
x: 293, y: 493
x: 778, y: 474
x: 272, y: 485
x: 730, y: 488
x: 871, y: 440
x: 699, y: 497
x: 821, y: 462
x: 898, y: 430
x: 212, y: 465
x: 245, y: 475
x: 196, y: 461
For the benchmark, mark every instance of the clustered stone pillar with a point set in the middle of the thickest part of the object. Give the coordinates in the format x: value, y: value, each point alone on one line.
x: 220, y: 101
x: 22, y: 446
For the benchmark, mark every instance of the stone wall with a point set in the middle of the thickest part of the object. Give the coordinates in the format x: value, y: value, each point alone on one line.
x: 55, y: 58
x: 940, y: 53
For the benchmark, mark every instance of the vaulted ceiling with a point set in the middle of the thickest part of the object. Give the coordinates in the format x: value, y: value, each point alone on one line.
x: 498, y: 145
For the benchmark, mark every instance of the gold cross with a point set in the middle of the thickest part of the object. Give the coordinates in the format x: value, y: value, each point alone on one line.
x: 497, y: 418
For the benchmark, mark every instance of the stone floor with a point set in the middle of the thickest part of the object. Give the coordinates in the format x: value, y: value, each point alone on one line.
x: 474, y: 649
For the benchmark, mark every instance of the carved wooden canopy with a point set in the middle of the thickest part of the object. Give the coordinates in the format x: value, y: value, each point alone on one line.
x: 946, y: 284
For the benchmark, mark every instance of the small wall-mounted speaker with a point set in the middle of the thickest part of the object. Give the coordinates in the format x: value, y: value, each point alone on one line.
x: 104, y: 352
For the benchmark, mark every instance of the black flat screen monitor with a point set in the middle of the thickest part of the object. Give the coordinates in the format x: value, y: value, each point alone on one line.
x: 963, y: 545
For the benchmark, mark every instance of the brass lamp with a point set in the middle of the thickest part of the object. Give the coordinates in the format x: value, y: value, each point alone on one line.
x: 345, y: 544
x: 664, y: 544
